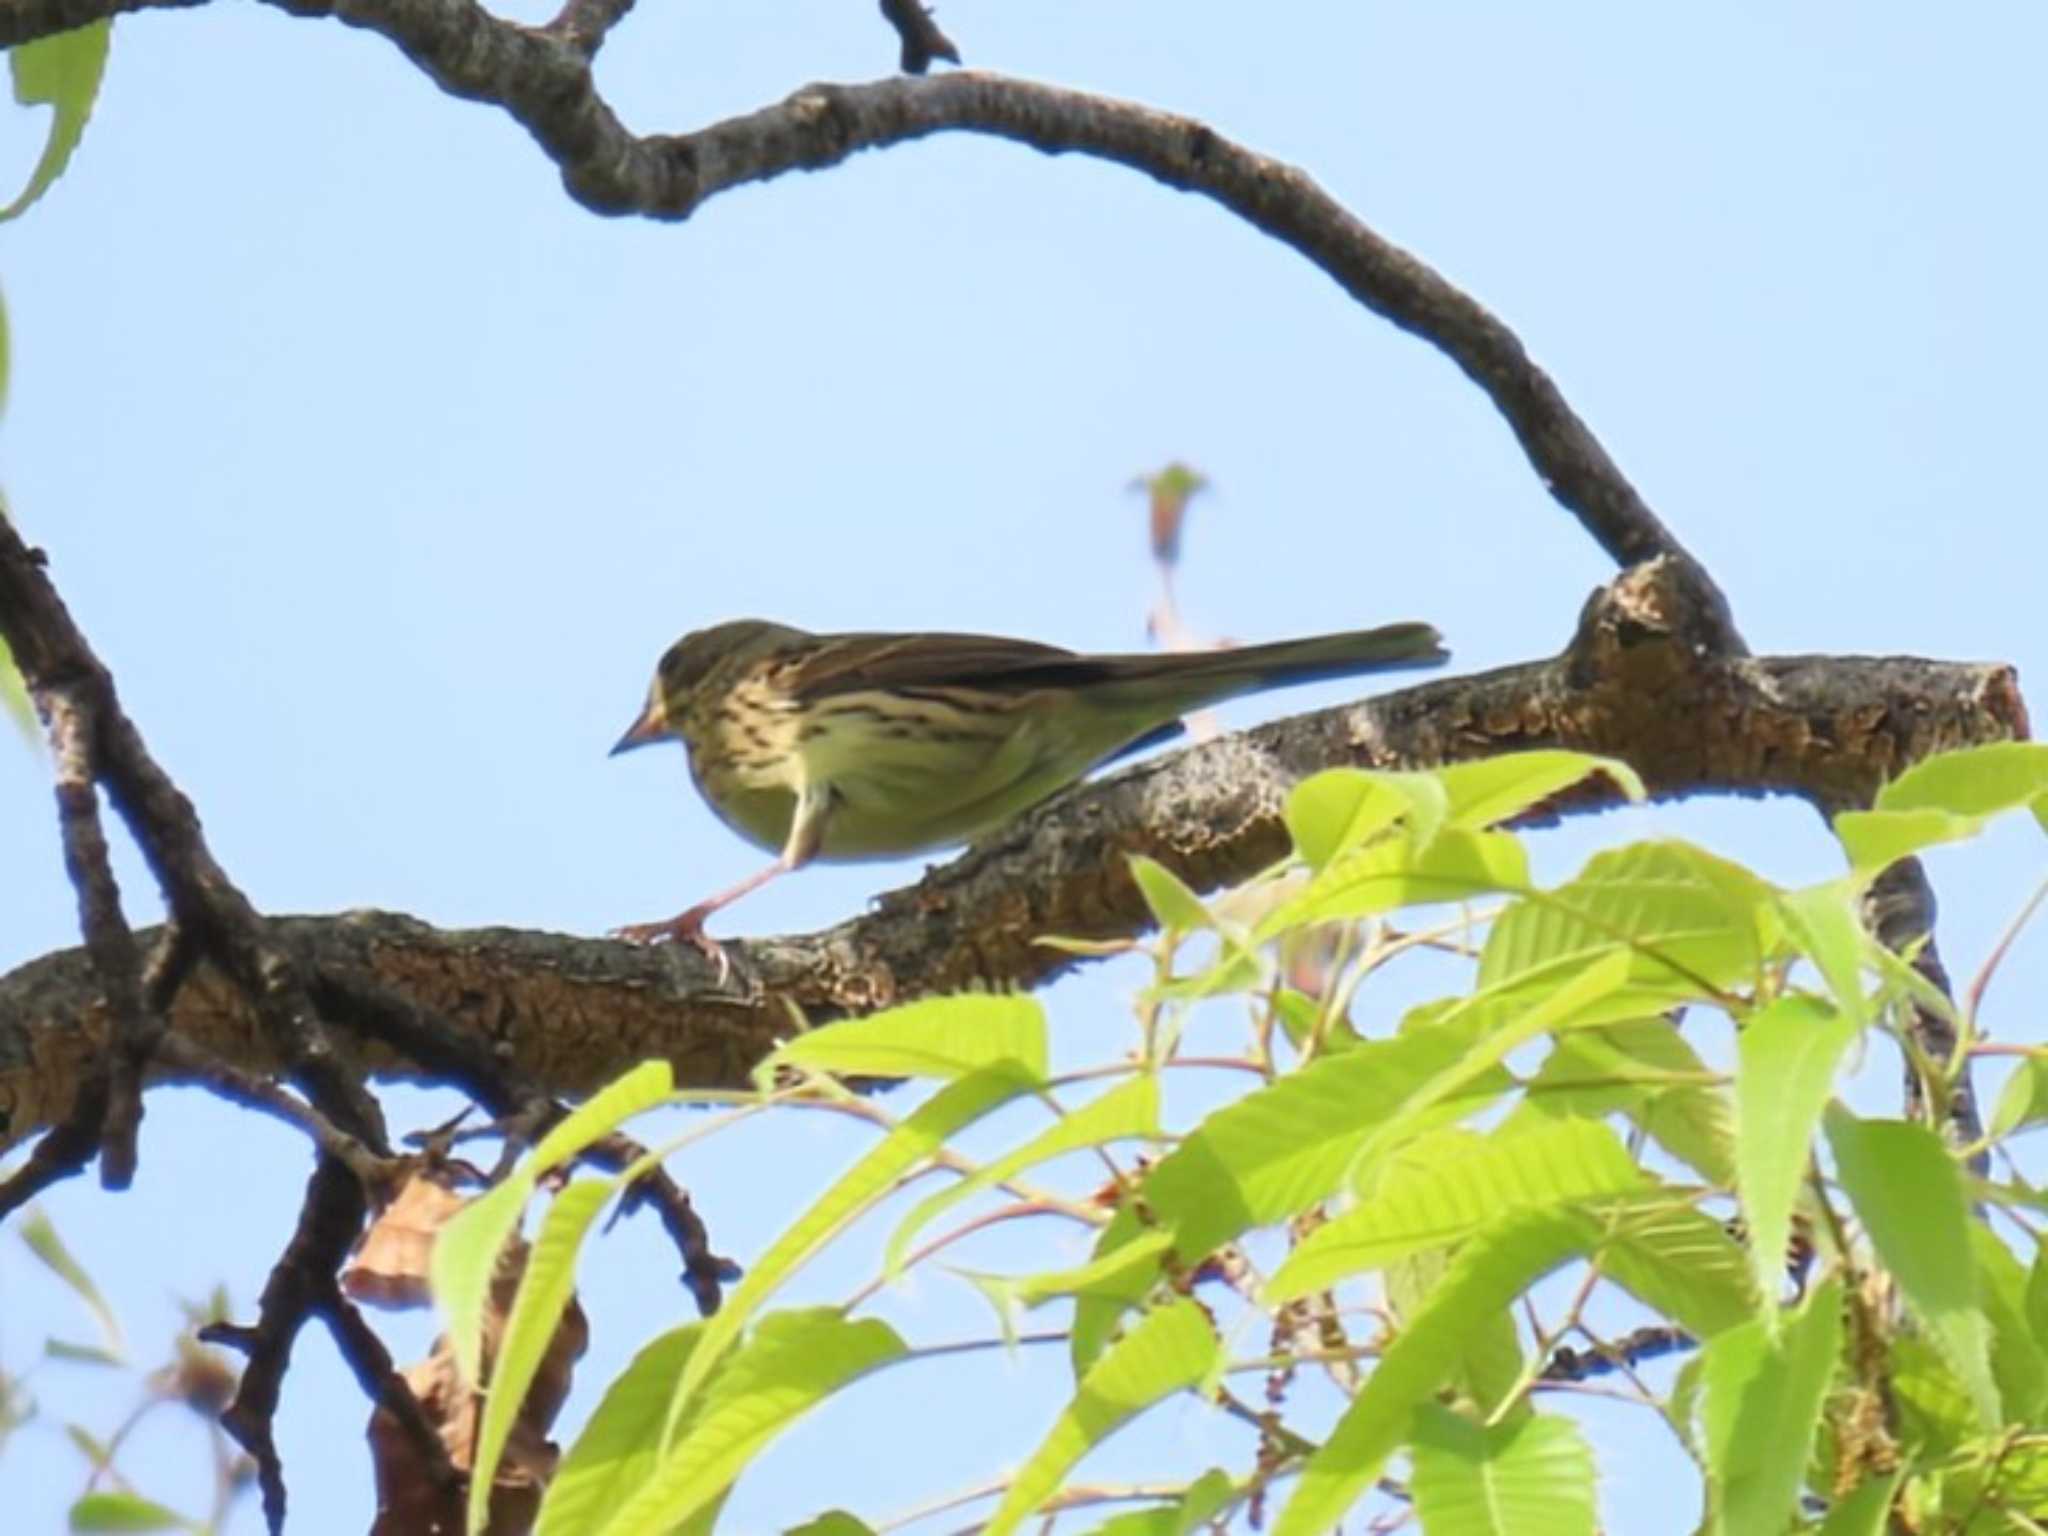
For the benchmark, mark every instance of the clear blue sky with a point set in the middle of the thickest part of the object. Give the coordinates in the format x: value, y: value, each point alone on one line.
x: 380, y: 473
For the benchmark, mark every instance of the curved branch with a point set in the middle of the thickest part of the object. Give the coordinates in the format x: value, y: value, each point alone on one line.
x: 542, y: 77
x: 571, y: 1013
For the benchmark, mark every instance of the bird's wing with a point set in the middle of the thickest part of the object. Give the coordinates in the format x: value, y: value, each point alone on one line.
x: 862, y: 663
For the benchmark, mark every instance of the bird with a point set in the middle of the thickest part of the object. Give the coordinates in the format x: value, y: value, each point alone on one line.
x: 873, y: 746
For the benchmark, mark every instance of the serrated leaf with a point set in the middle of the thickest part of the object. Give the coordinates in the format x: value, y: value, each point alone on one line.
x: 1447, y: 1198
x: 1680, y: 1262
x: 125, y: 1512
x: 792, y: 1363
x: 618, y: 1448
x: 1175, y: 908
x: 1763, y: 1400
x: 1686, y: 919
x: 1205, y: 1496
x: 537, y: 1309
x: 952, y: 1108
x: 14, y: 698
x: 2023, y: 1101
x: 1487, y: 1274
x: 1127, y: 1270
x: 36, y: 1230
x: 1972, y: 781
x: 1787, y: 1056
x: 1497, y: 789
x: 1863, y: 1512
x: 1825, y: 922
x: 61, y: 72
x: 1875, y: 840
x: 1455, y: 865
x: 1282, y: 1148
x: 2018, y: 1363
x: 1498, y: 1022
x: 834, y: 1522
x: 1904, y: 1186
x: 641, y: 1087
x: 1168, y: 1350
x: 1130, y: 1257
x: 1128, y: 1111
x: 1645, y: 1069
x: 1330, y: 814
x: 1517, y: 1478
x: 945, y: 1038
x: 465, y: 1253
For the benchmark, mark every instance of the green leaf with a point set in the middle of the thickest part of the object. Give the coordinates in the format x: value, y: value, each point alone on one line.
x: 619, y: 1447
x: 1943, y: 800
x: 1174, y: 907
x: 1826, y: 922
x: 1935, y: 1412
x: 63, y: 73
x: 1333, y: 813
x: 1498, y: 1022
x: 953, y: 1107
x: 1455, y: 865
x: 1787, y: 1056
x: 465, y: 1253
x: 1875, y: 840
x: 2017, y: 1361
x: 125, y: 1512
x: 1645, y: 1069
x: 1527, y: 1475
x: 1497, y: 789
x: 1688, y: 922
x: 642, y: 1087
x: 1487, y: 1274
x: 1763, y: 1400
x: 14, y: 699
x: 937, y: 1037
x: 1974, y: 781
x: 2023, y: 1101
x: 1447, y: 1198
x: 1205, y: 1496
x: 1681, y: 1262
x: 834, y: 1522
x: 466, y: 1248
x: 1168, y: 1350
x: 1130, y: 1258
x: 793, y: 1362
x: 1863, y: 1512
x: 1904, y: 1185
x: 1282, y: 1148
x: 537, y: 1309
x: 42, y: 1240
x: 1126, y: 1271
x: 1129, y: 1110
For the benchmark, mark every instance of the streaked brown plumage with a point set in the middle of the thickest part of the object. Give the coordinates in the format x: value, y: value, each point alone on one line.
x: 876, y: 745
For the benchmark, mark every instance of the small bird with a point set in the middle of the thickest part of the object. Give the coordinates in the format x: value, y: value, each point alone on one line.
x: 848, y: 747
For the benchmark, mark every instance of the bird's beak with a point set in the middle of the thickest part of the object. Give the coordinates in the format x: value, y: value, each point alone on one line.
x: 652, y: 726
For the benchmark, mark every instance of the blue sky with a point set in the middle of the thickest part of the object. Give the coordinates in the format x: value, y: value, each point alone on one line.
x: 380, y: 474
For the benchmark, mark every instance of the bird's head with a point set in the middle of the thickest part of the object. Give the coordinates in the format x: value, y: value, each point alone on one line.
x: 699, y: 657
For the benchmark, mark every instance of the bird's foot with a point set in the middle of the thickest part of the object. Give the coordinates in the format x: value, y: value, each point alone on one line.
x: 683, y: 928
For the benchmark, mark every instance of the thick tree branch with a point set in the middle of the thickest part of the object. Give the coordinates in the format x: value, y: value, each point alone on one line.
x: 57, y: 663
x: 570, y: 1013
x: 542, y: 77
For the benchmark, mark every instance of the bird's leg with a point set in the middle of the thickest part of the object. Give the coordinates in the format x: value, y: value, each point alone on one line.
x: 806, y: 833
x: 688, y: 927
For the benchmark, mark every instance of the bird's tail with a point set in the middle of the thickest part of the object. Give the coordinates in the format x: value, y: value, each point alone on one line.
x: 1195, y: 679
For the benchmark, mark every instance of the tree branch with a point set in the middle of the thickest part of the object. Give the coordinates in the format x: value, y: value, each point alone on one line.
x: 543, y: 78
x: 570, y: 1013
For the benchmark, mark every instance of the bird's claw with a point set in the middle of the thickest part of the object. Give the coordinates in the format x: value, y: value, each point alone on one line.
x: 686, y: 928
